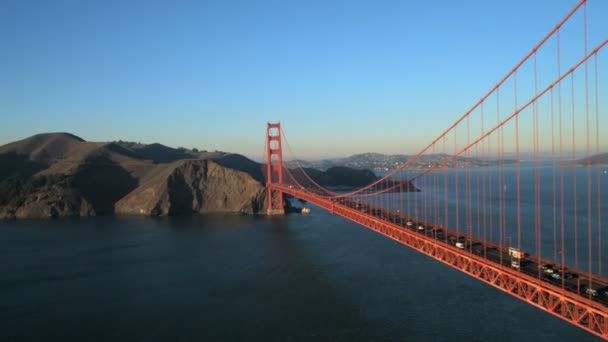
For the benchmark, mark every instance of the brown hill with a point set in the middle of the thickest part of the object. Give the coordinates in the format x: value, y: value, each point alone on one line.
x: 60, y: 174
x: 59, y: 153
x: 27, y: 157
x: 241, y: 163
x: 44, y: 147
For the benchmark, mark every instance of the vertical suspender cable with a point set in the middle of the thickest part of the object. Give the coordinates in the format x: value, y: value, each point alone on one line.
x: 537, y: 211
x: 484, y: 155
x: 574, y: 194
x: 587, y: 154
x: 488, y: 200
x: 553, y: 177
x: 457, y: 209
x: 446, y: 208
x: 561, y: 157
x: 501, y: 174
x: 597, y: 149
x: 517, y: 165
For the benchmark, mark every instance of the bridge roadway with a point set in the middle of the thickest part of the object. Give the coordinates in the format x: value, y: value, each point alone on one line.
x: 570, y: 294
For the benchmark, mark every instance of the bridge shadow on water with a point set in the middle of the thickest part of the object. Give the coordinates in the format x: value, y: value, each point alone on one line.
x: 301, y: 294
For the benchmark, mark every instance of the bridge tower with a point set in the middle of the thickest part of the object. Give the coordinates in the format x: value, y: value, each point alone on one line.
x: 274, y: 168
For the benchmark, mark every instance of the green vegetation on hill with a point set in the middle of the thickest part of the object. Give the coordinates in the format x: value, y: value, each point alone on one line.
x: 14, y: 190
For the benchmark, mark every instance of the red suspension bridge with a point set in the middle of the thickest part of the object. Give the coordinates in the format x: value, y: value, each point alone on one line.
x: 512, y: 193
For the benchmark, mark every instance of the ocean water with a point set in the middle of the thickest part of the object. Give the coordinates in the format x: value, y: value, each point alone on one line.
x: 241, y: 278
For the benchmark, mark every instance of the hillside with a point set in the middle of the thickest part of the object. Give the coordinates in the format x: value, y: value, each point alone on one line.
x: 195, y: 186
x: 44, y: 147
x: 60, y: 174
x: 27, y: 157
x: 601, y: 159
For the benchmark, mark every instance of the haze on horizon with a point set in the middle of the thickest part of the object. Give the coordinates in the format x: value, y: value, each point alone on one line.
x: 342, y: 77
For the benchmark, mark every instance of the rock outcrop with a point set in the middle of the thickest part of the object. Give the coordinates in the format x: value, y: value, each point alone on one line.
x: 54, y: 202
x: 194, y: 186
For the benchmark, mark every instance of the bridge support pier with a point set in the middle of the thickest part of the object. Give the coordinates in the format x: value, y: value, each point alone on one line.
x: 274, y: 169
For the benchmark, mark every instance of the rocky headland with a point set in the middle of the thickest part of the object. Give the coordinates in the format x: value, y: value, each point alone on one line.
x: 61, y: 175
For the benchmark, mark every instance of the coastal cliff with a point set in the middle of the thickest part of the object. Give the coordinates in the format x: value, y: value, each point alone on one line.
x: 62, y: 175
x: 194, y: 186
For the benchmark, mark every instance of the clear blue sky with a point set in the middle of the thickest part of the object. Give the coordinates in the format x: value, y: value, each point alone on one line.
x: 342, y: 76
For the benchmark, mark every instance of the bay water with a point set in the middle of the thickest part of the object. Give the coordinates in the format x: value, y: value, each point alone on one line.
x: 298, y: 277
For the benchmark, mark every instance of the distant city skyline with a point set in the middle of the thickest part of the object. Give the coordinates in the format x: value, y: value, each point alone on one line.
x: 342, y: 77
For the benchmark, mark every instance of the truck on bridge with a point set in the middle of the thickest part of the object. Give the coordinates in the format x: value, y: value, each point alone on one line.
x: 516, y: 253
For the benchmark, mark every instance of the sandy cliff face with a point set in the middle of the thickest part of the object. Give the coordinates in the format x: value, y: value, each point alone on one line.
x: 194, y: 186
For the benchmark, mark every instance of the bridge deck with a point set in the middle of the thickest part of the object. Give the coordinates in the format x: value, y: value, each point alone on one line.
x: 565, y: 298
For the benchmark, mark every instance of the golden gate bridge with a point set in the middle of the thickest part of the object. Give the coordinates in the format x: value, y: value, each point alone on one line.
x: 513, y: 196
